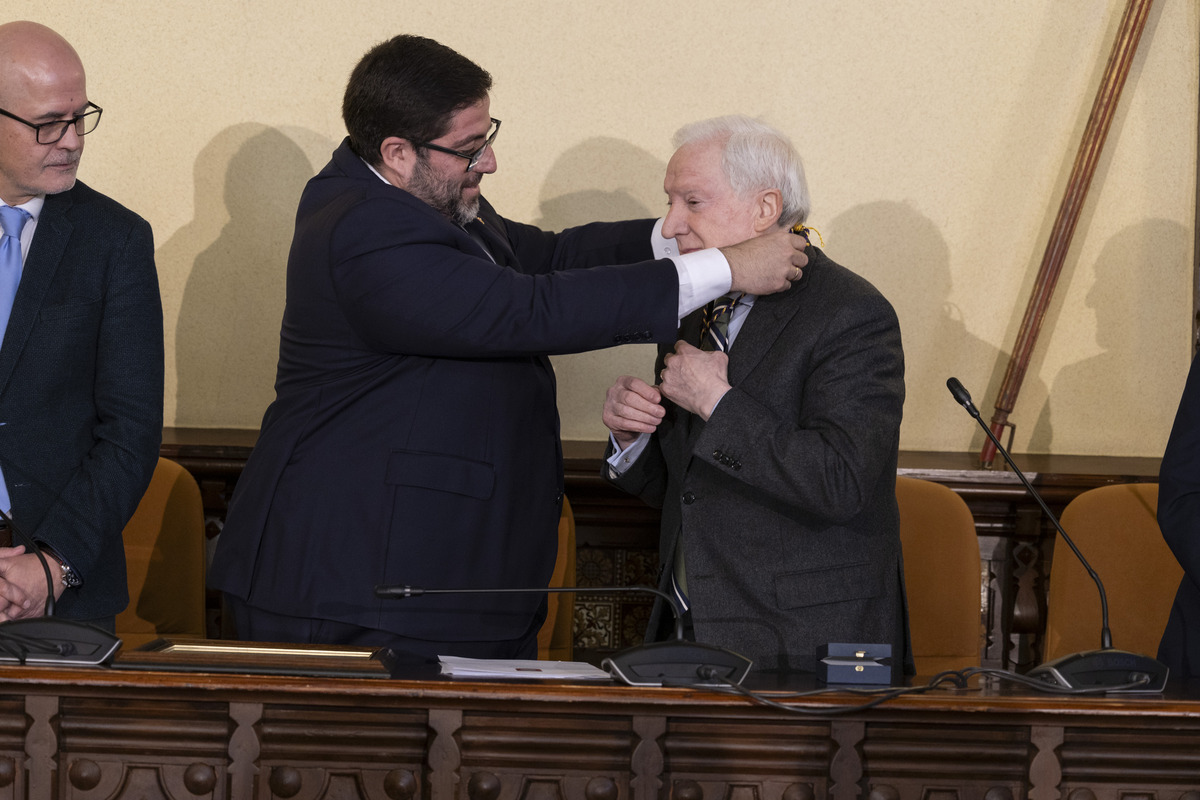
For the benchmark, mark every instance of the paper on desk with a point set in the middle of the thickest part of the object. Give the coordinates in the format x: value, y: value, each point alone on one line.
x: 516, y: 668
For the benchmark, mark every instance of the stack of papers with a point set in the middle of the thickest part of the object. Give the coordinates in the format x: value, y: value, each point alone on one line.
x: 514, y: 668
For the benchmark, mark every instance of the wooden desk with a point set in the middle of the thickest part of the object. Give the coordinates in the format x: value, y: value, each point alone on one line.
x: 112, y: 733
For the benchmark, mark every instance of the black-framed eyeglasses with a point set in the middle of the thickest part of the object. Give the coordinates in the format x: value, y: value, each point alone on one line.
x: 472, y: 158
x: 52, y: 132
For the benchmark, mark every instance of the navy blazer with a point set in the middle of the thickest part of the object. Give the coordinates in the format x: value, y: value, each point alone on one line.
x: 414, y: 436
x: 81, y: 390
x: 786, y: 496
x: 1179, y: 519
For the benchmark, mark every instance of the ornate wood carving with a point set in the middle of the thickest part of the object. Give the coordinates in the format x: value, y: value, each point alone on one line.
x: 121, y: 735
x: 646, y: 764
x: 846, y: 768
x: 1045, y: 772
x: 244, y: 749
x: 444, y: 755
x: 41, y: 745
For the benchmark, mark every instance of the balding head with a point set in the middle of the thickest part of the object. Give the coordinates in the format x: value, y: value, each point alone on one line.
x: 32, y: 55
x: 41, y: 80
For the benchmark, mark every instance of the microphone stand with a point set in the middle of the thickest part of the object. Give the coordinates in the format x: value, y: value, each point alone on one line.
x: 49, y: 639
x: 1090, y: 669
x: 675, y: 662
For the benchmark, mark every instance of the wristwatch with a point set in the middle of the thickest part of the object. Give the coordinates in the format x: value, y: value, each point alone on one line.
x: 70, y: 578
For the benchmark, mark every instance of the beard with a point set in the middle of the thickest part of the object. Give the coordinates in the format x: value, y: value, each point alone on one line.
x: 445, y: 195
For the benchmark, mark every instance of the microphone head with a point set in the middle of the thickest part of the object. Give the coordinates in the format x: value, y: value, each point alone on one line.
x: 961, y: 395
x: 398, y: 591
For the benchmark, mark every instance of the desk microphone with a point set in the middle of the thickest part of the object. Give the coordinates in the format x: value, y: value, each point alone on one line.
x: 1091, y: 669
x: 49, y: 639
x: 676, y: 662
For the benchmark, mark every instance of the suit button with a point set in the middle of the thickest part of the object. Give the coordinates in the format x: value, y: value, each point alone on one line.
x: 689, y: 498
x: 717, y: 455
x: 558, y: 498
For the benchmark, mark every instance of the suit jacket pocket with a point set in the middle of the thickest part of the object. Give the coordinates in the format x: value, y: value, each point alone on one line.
x: 68, y: 310
x: 819, y: 586
x: 441, y: 472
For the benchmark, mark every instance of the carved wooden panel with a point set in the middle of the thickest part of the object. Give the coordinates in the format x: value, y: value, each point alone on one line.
x: 577, y: 759
x: 13, y: 725
x: 372, y: 753
x: 155, y: 735
x: 920, y: 761
x: 180, y: 750
x: 1121, y: 765
x: 748, y: 760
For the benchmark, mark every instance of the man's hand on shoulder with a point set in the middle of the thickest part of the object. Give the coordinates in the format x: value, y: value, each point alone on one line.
x: 766, y: 264
x: 632, y: 407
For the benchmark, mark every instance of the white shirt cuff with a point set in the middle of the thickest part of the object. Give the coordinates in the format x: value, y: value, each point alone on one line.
x: 621, y: 460
x: 703, y: 275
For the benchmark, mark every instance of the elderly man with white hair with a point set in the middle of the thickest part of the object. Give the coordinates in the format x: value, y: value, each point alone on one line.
x: 770, y: 438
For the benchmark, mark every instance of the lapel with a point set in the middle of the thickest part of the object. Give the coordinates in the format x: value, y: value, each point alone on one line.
x: 49, y: 243
x: 689, y: 329
x: 490, y: 228
x: 769, y: 316
x: 687, y: 427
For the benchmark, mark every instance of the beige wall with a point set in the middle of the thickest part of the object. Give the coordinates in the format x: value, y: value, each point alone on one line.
x: 937, y: 135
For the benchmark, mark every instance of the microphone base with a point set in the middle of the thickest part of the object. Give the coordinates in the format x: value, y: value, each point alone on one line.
x: 60, y: 642
x: 677, y: 663
x: 1101, y: 669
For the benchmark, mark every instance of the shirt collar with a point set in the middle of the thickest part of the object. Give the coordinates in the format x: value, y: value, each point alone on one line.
x: 34, y: 206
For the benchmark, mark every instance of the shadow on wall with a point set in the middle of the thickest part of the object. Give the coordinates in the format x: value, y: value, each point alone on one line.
x: 1099, y: 392
x: 603, y: 179
x: 248, y: 182
x: 904, y: 254
x: 600, y: 179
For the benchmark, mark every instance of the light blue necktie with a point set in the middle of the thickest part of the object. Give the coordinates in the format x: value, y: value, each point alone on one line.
x: 12, y: 220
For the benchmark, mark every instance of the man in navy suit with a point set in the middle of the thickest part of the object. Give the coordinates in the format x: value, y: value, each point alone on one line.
x: 81, y: 360
x: 1179, y: 518
x: 773, y: 454
x: 414, y: 434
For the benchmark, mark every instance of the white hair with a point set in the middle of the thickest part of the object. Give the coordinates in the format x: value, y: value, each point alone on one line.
x: 755, y: 157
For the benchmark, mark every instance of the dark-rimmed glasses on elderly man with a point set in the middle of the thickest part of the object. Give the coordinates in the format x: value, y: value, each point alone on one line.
x: 472, y: 158
x: 53, y: 131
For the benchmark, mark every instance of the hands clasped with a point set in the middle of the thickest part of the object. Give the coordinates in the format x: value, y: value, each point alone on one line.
x: 22, y: 584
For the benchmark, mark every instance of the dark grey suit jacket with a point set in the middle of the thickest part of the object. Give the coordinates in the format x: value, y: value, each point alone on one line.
x: 786, y: 496
x: 81, y: 388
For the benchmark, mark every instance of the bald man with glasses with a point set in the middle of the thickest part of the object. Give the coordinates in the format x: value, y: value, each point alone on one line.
x: 81, y: 358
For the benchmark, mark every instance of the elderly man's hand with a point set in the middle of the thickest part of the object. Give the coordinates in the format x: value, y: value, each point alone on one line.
x: 694, y: 379
x: 631, y: 407
x: 767, y: 263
